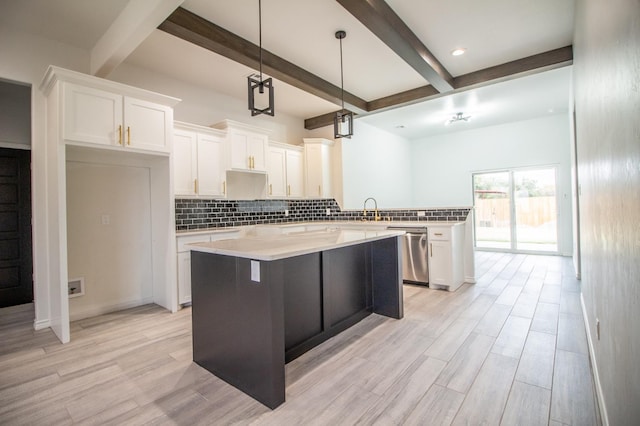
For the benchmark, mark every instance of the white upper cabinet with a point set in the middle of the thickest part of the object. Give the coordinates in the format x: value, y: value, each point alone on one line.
x: 109, y: 118
x: 285, y: 169
x: 317, y: 156
x: 185, y: 162
x: 248, y: 146
x: 199, y: 161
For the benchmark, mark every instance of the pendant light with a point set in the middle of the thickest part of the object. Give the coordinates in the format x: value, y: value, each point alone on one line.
x: 343, y: 120
x: 254, y: 82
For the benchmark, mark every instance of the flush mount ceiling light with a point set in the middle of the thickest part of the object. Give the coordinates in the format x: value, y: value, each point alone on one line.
x: 459, y: 51
x: 343, y: 120
x: 256, y: 82
x: 457, y: 118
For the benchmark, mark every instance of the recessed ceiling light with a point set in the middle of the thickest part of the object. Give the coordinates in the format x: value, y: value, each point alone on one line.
x: 458, y: 52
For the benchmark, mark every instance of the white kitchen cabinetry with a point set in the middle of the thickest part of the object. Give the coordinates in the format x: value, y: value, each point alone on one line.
x: 446, y: 256
x: 247, y: 146
x: 285, y: 171
x: 199, y: 161
x: 317, y: 156
x: 97, y: 116
x: 184, y: 257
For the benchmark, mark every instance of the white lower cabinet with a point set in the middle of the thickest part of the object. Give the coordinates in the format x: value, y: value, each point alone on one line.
x: 446, y: 256
x: 184, y: 257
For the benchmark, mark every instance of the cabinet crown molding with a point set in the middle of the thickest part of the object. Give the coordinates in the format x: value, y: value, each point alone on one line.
x: 55, y: 74
x: 198, y: 128
x: 231, y: 124
x: 285, y: 145
x: 322, y: 141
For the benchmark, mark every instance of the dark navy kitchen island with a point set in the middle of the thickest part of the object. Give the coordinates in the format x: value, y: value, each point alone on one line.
x: 259, y: 302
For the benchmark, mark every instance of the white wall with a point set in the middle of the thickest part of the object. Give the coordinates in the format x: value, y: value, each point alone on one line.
x: 606, y: 70
x: 25, y: 59
x: 442, y: 165
x: 375, y: 164
x: 15, y: 115
x: 108, y: 236
x: 206, y: 107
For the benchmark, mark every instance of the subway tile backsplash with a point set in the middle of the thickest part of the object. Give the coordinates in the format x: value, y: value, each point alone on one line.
x: 195, y: 214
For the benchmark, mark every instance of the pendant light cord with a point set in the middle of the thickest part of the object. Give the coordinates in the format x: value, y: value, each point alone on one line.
x: 341, y: 77
x: 260, y: 34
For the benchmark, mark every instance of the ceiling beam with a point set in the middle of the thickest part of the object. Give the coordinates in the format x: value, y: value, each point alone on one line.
x: 552, y: 59
x: 133, y: 25
x: 197, y: 30
x: 381, y: 20
x: 536, y: 63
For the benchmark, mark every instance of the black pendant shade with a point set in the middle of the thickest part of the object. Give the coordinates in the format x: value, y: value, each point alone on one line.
x: 343, y: 120
x: 256, y: 82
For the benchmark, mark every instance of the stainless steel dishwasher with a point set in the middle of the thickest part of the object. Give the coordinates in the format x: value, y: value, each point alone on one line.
x: 415, y: 267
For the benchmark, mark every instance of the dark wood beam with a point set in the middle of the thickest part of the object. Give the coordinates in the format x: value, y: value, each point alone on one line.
x: 381, y: 20
x: 532, y: 64
x: 197, y: 30
x: 540, y: 62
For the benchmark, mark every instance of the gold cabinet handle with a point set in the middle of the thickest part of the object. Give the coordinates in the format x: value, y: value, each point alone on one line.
x: 128, y: 135
x: 288, y: 189
x: 319, y: 191
x: 253, y: 162
x: 249, y: 161
x: 270, y: 189
x: 431, y: 249
x: 224, y: 187
x: 120, y: 134
x: 195, y: 186
x: 439, y: 234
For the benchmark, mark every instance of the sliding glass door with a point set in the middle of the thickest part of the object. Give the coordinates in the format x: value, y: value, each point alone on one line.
x: 516, y: 210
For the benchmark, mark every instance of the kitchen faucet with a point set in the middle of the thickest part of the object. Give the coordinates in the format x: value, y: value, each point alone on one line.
x: 364, y: 209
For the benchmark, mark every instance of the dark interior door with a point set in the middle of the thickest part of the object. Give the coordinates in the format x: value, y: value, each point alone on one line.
x: 16, y: 267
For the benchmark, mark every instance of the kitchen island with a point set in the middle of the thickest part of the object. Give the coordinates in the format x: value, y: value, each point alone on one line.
x: 262, y: 300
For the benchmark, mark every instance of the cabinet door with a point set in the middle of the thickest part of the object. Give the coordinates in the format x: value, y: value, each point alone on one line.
x: 147, y: 125
x: 184, y: 162
x: 318, y: 183
x: 257, y: 150
x: 92, y: 115
x: 277, y: 172
x: 238, y: 142
x: 295, y: 174
x: 184, y: 277
x: 440, y: 272
x: 211, y: 151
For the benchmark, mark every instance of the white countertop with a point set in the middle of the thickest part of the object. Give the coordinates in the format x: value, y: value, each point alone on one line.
x: 280, y: 246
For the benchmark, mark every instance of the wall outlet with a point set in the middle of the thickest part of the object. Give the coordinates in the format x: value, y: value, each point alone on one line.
x: 286, y: 213
x: 422, y: 214
x: 105, y: 219
x: 328, y: 212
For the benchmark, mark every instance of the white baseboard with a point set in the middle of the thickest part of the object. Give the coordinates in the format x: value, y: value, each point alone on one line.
x: 105, y: 309
x: 41, y: 324
x: 470, y: 280
x: 596, y: 376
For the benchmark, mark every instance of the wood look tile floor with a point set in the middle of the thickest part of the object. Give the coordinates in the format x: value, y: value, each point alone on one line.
x: 509, y: 350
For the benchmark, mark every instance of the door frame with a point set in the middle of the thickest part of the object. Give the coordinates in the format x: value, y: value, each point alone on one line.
x: 512, y: 209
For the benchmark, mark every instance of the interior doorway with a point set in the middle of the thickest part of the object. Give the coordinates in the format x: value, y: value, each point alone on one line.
x: 517, y: 210
x: 16, y: 259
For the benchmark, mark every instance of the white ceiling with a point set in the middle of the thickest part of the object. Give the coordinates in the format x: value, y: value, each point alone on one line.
x: 302, y: 31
